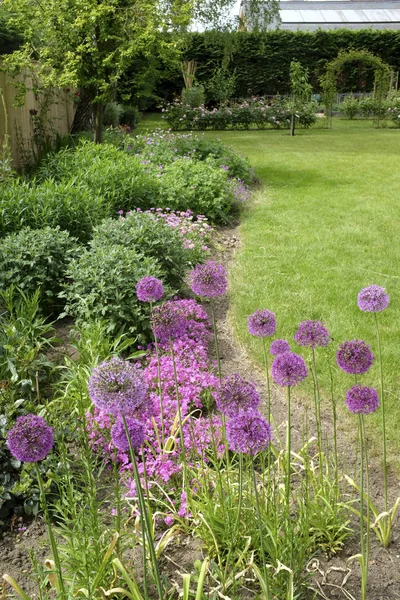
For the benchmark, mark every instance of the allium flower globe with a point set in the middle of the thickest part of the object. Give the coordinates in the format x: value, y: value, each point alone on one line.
x: 355, y: 357
x: 117, y: 386
x: 136, y: 433
x: 373, y: 299
x: 262, y: 323
x: 312, y: 334
x: 149, y: 289
x: 168, y: 321
x: 362, y: 400
x: 235, y: 394
x: 279, y: 347
x: 209, y: 280
x: 31, y: 439
x: 248, y: 432
x: 289, y: 369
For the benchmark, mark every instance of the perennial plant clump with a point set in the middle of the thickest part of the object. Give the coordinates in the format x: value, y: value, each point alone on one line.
x: 31, y: 439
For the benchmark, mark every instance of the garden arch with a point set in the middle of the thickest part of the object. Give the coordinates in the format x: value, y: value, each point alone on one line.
x: 329, y: 80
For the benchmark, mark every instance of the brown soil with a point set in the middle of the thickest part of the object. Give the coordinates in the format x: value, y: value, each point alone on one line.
x: 332, y: 578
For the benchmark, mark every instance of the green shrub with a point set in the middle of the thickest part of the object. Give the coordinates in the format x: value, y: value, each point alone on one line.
x: 147, y: 235
x: 117, y: 177
x: 37, y: 259
x: 112, y: 114
x: 68, y: 204
x: 193, y: 96
x: 130, y: 116
x: 197, y: 186
x: 103, y: 287
x: 349, y: 107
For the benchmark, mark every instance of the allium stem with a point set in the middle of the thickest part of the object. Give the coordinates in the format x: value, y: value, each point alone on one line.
x: 334, y: 413
x: 144, y: 516
x: 240, y: 493
x: 159, y: 382
x: 260, y: 527
x: 365, y: 443
x: 288, y: 449
x: 385, y: 483
x: 317, y: 400
x: 216, y: 343
x: 178, y: 399
x: 364, y: 554
x: 53, y: 542
x: 268, y: 380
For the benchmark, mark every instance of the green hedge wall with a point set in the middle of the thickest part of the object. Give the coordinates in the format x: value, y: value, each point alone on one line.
x: 262, y: 60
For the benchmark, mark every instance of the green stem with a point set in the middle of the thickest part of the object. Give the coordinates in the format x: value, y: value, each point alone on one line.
x: 240, y: 493
x: 160, y: 390
x: 117, y: 500
x: 178, y: 399
x: 268, y: 381
x: 367, y: 495
x: 53, y: 543
x: 262, y: 547
x: 385, y: 483
x: 144, y: 517
x: 216, y: 343
x: 288, y: 450
x: 334, y: 412
x: 317, y: 399
x: 364, y: 566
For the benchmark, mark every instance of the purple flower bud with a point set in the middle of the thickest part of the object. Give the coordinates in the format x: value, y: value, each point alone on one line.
x: 248, y: 432
x: 31, y: 439
x: 262, y: 323
x: 289, y: 369
x: 236, y: 394
x: 362, y: 400
x: 312, y: 333
x: 355, y: 357
x: 149, y: 289
x: 373, y: 299
x: 209, y: 280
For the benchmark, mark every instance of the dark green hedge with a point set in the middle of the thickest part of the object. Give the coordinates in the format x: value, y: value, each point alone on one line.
x: 262, y: 60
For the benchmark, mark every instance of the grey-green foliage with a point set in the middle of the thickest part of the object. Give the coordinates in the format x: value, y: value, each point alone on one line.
x: 193, y: 96
x: 112, y: 114
x: 150, y: 236
x: 103, y: 286
x: 37, y: 259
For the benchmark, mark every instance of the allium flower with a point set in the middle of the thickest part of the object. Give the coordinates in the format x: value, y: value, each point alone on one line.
x: 235, y: 394
x: 289, y: 369
x: 279, y: 347
x: 149, y: 289
x: 117, y: 386
x: 209, y: 280
x: 136, y: 433
x: 373, y: 299
x: 355, y: 357
x: 312, y: 333
x: 168, y: 321
x: 362, y: 400
x: 31, y: 439
x: 248, y: 432
x: 262, y: 323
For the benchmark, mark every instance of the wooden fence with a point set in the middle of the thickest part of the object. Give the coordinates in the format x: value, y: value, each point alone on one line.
x: 44, y: 114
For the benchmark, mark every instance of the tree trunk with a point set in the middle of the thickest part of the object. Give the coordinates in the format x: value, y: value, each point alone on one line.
x: 292, y: 124
x: 83, y: 119
x: 98, y: 122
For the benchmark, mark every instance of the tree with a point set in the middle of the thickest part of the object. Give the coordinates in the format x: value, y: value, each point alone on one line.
x: 89, y: 44
x: 301, y: 89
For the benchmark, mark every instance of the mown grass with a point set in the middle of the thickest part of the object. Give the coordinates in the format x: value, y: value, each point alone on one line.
x: 324, y: 224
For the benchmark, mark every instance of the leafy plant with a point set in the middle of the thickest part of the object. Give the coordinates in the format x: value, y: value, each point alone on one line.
x: 102, y: 286
x: 349, y: 107
x: 37, y: 259
x: 112, y: 114
x: 193, y: 96
x: 221, y: 86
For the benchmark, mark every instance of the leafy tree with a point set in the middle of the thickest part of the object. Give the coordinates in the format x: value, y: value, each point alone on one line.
x: 301, y: 89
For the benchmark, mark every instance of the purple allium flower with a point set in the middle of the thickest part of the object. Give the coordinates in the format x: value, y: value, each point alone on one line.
x: 355, y: 357
x: 31, y: 439
x: 168, y: 321
x: 248, y: 432
x: 279, y: 347
x: 312, y: 333
x: 209, y: 280
x: 136, y: 433
x: 117, y: 386
x: 262, y: 323
x: 373, y: 299
x: 236, y: 394
x: 362, y: 400
x: 289, y: 369
x: 149, y: 289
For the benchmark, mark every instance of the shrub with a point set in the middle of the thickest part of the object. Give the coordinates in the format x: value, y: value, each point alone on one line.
x: 197, y: 186
x: 118, y: 178
x: 112, y: 114
x: 150, y: 236
x: 393, y: 110
x: 103, y: 287
x: 349, y: 107
x: 193, y: 96
x: 37, y: 259
x: 130, y: 116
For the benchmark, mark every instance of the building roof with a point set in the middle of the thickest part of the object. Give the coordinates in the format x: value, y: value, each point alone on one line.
x: 334, y: 14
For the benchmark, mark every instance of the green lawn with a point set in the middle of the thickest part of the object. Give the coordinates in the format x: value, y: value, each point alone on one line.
x: 325, y: 223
